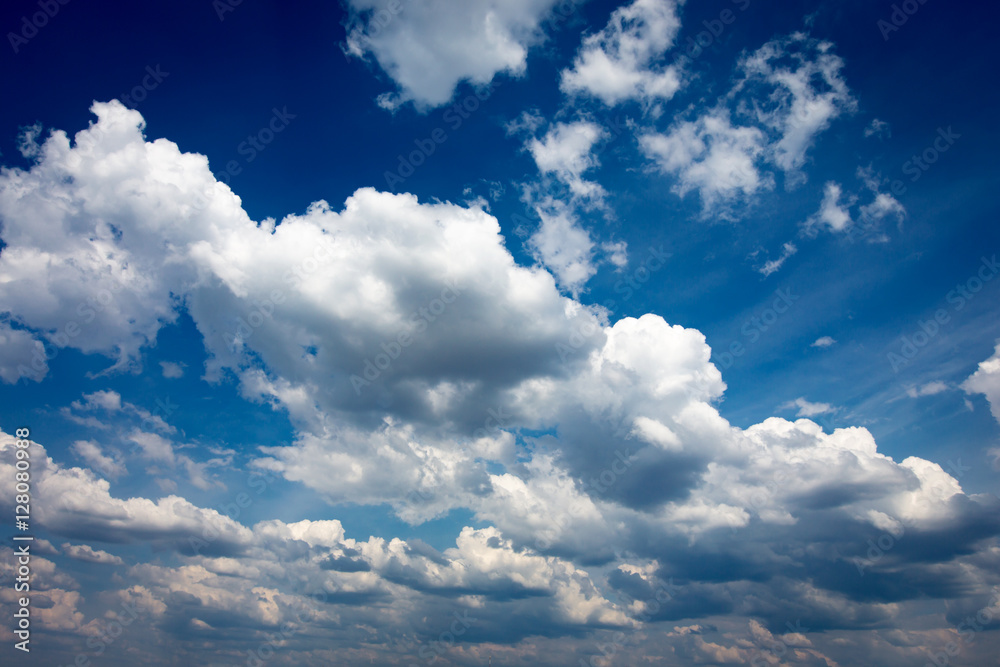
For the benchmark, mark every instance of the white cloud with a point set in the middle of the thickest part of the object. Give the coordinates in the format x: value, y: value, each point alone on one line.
x: 566, y: 151
x: 774, y: 265
x: 617, y: 63
x: 807, y: 409
x: 712, y: 156
x: 92, y: 454
x: 609, y: 442
x: 832, y: 213
x: 72, y: 502
x: 878, y: 128
x: 807, y: 91
x: 428, y: 47
x: 564, y: 247
x: 172, y: 369
x: 929, y: 389
x: 88, y: 554
x: 824, y: 341
x: 986, y: 381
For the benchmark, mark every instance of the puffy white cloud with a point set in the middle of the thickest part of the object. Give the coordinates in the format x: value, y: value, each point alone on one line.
x: 711, y: 156
x: 986, y: 381
x: 619, y: 62
x: 429, y: 47
x: 824, y: 341
x: 564, y: 247
x: 422, y: 368
x: 566, y: 151
x: 86, y: 265
x: 832, y: 212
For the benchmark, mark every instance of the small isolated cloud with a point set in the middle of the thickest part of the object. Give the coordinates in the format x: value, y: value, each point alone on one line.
x: 172, y: 369
x: 428, y: 47
x: 807, y: 409
x: 90, y: 555
x: 774, y: 265
x: 878, y: 128
x: 928, y: 389
x: 825, y: 341
x: 566, y: 151
x: 617, y: 63
x: 711, y: 156
x: 833, y: 213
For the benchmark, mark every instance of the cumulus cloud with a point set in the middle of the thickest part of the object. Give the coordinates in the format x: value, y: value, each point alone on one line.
x: 74, y: 503
x: 428, y: 48
x: 564, y: 247
x: 712, y: 156
x: 619, y: 62
x: 566, y: 151
x: 445, y: 376
x: 824, y: 341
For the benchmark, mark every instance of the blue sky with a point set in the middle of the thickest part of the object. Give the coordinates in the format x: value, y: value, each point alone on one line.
x: 653, y: 331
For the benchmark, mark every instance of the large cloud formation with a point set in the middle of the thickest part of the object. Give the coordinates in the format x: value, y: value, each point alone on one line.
x: 424, y: 369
